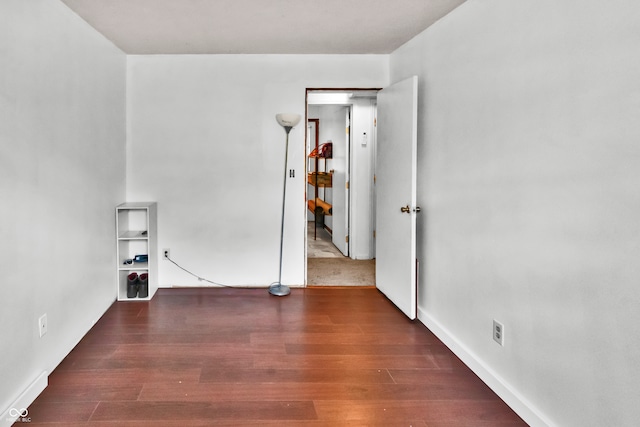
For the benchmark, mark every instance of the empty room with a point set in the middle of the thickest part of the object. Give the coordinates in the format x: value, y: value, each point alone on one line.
x: 160, y: 193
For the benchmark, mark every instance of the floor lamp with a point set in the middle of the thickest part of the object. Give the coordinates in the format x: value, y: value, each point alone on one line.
x: 287, y: 121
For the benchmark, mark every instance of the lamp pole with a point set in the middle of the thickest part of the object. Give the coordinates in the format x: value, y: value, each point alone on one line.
x: 287, y: 121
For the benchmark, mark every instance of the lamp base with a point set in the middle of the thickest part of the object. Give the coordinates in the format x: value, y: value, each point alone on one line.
x: 279, y: 290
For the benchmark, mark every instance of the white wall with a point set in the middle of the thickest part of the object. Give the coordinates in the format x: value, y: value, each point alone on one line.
x: 203, y: 142
x: 529, y: 163
x: 62, y: 148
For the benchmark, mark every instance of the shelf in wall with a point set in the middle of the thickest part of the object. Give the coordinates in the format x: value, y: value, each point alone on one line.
x: 133, y: 235
x: 136, y: 234
x: 135, y: 266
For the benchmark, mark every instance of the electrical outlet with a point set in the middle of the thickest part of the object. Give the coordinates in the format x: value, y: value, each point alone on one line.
x: 498, y: 332
x: 166, y: 253
x: 42, y: 325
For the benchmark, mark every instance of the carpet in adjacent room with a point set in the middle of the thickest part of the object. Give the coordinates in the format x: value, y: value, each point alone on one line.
x: 340, y: 272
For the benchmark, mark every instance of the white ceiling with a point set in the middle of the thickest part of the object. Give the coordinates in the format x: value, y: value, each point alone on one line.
x: 260, y: 26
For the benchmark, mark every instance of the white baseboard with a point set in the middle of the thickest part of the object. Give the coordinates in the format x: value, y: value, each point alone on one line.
x: 20, y: 407
x: 511, y: 397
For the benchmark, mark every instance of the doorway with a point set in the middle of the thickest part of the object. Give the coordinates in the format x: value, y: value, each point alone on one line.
x: 340, y: 142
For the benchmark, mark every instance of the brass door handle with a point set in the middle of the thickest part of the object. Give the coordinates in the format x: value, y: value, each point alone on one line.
x: 407, y: 209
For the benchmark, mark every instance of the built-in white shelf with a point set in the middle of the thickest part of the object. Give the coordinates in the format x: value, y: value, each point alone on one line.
x: 136, y: 231
x: 133, y: 235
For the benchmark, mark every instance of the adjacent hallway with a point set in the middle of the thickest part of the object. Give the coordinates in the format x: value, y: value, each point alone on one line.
x: 326, y: 266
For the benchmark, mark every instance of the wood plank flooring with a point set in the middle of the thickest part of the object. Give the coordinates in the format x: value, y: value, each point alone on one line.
x: 230, y: 357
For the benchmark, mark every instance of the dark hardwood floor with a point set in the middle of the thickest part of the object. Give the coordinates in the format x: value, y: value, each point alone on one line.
x: 230, y: 357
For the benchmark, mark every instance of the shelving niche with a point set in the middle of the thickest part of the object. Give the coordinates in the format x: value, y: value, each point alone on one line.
x: 136, y: 234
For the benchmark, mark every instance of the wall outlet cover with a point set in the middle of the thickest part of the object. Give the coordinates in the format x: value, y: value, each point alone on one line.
x: 498, y: 332
x: 42, y: 325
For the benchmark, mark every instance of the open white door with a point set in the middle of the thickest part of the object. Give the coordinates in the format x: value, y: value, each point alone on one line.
x: 396, y: 173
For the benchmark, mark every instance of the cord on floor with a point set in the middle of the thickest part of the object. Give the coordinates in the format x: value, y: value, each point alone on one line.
x: 202, y: 279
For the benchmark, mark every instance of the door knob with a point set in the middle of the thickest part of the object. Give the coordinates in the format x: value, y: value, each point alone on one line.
x: 407, y: 209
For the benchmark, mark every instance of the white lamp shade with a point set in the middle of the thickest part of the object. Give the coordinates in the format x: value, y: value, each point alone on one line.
x: 288, y: 119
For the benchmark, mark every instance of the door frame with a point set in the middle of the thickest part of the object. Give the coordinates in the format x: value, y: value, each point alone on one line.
x: 308, y: 148
x: 349, y: 166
